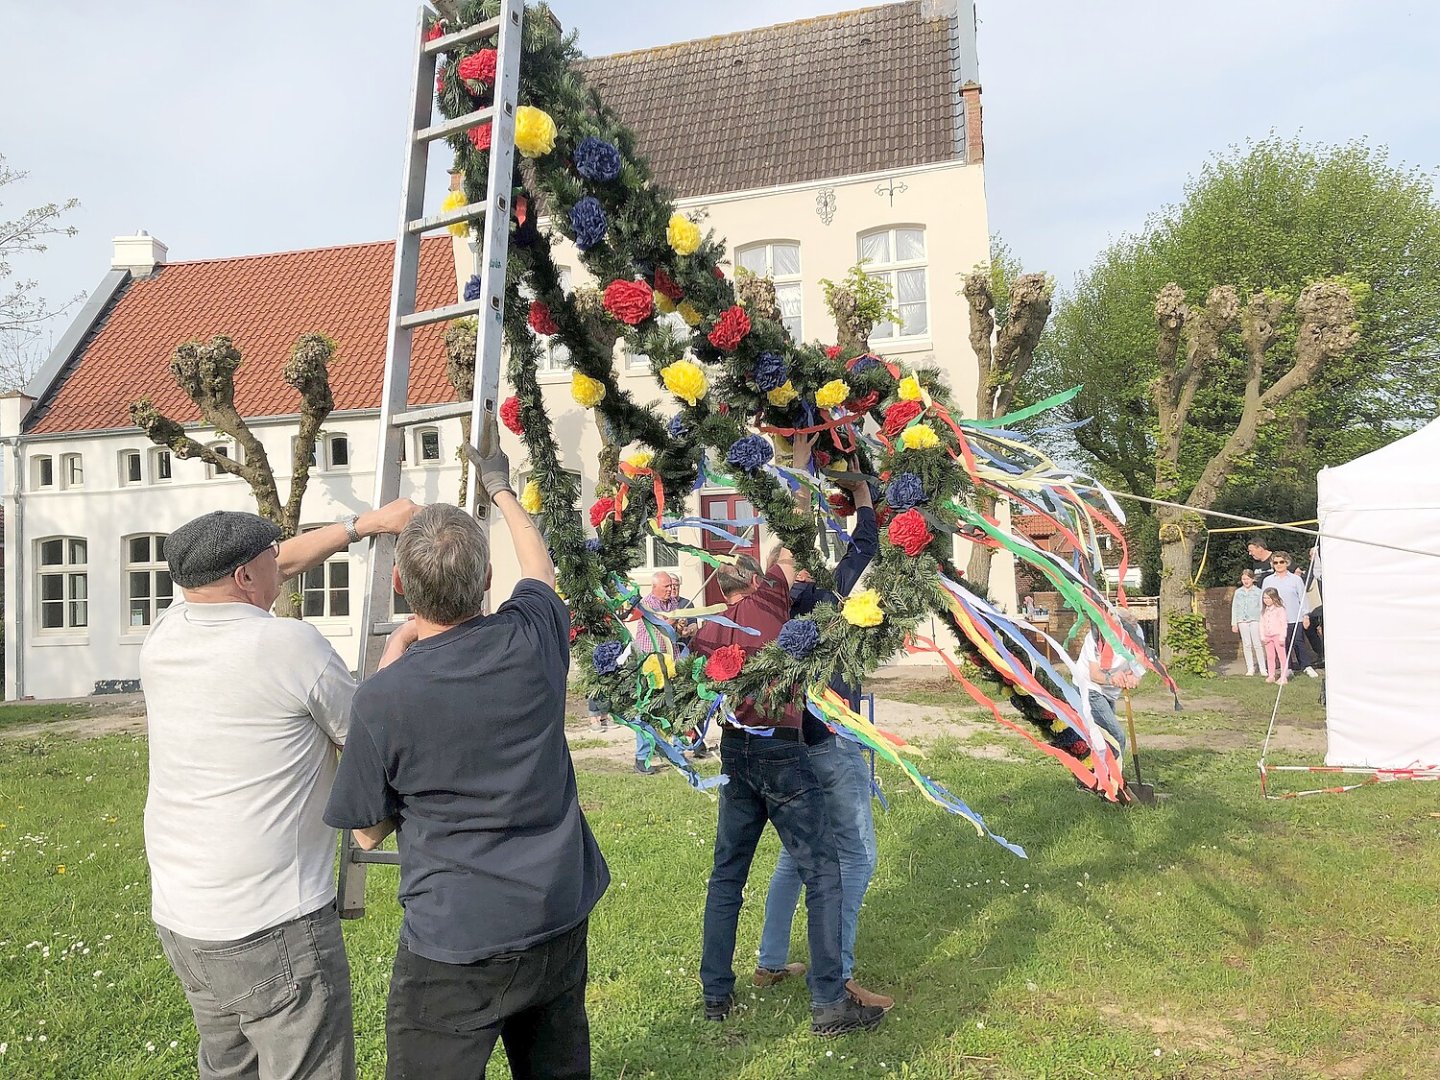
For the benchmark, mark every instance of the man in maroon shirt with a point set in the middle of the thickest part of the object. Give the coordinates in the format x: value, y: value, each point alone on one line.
x: 771, y: 779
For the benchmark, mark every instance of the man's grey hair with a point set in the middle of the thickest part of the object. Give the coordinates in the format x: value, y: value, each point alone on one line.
x: 737, y: 578
x: 444, y: 563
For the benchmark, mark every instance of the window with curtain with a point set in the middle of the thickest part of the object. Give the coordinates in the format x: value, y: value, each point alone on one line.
x: 897, y: 257
x: 779, y: 260
x: 148, y: 589
x: 63, y: 584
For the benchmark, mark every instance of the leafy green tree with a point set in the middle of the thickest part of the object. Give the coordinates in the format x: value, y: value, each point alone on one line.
x: 1274, y: 215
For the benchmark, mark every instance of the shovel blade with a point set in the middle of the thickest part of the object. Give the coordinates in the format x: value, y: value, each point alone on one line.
x: 1143, y: 793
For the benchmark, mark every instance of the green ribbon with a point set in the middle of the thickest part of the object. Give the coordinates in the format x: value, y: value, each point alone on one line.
x: 1025, y: 413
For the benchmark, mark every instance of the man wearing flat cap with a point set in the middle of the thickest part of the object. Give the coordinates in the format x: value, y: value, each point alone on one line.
x: 246, y: 714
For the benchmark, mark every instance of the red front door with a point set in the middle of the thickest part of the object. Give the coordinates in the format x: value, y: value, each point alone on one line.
x: 723, y: 509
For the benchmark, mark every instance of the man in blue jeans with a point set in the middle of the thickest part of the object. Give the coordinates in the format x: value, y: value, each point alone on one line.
x: 771, y: 779
x: 840, y: 767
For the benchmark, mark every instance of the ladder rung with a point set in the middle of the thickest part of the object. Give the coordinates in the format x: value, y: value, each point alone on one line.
x: 435, y: 412
x: 466, y: 309
x: 469, y: 212
x: 463, y: 37
x: 389, y: 858
x: 385, y: 629
x: 460, y: 123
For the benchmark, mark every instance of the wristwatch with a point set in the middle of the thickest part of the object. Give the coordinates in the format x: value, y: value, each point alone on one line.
x: 351, y: 531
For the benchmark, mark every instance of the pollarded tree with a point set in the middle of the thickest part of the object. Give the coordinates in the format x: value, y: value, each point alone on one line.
x: 206, y: 372
x: 1328, y: 329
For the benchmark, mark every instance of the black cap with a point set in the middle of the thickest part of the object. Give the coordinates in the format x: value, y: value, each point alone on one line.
x: 215, y: 545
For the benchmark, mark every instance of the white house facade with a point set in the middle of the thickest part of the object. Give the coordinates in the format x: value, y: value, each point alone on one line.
x: 88, y: 499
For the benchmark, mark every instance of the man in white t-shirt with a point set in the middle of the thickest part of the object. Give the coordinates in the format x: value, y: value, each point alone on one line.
x: 246, y: 715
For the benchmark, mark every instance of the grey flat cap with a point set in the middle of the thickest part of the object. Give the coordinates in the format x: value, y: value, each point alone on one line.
x: 215, y: 545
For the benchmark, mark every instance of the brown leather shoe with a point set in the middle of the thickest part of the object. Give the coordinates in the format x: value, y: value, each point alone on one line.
x: 765, y: 977
x: 861, y: 996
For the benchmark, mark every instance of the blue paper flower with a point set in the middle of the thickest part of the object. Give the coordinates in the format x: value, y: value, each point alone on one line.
x: 607, y: 657
x: 904, y: 492
x: 589, y: 223
x: 750, y: 452
x: 677, y: 426
x: 595, y: 159
x: 472, y: 287
x: 593, y: 545
x: 770, y: 372
x: 798, y: 637
x: 864, y: 363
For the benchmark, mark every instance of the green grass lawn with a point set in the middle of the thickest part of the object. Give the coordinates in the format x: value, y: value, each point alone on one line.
x: 1216, y: 935
x: 20, y: 713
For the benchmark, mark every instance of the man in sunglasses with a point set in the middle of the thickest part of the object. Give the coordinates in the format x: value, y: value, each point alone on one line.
x: 246, y: 714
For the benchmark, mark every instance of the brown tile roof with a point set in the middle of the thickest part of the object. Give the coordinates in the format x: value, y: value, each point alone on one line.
x: 838, y: 95
x: 264, y: 302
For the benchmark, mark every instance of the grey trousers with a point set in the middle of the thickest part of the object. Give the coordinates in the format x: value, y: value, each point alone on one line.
x: 271, y: 1006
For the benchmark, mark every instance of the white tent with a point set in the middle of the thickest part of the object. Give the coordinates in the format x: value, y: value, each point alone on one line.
x: 1382, y: 606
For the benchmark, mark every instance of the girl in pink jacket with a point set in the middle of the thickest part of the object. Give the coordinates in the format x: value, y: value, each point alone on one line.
x: 1272, y: 633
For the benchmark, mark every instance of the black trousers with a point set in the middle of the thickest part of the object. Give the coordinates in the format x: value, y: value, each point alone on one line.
x: 443, y: 1020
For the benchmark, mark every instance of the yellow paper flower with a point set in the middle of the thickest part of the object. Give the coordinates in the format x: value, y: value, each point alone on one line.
x: 534, y: 131
x: 689, y: 313
x: 910, y: 388
x: 920, y: 437
x: 782, y: 395
x: 663, y: 303
x: 454, y: 201
x: 586, y: 391
x: 640, y: 459
x: 832, y: 393
x: 652, y: 667
x: 686, y: 380
x: 683, y: 234
x: 863, y: 609
x: 530, y: 500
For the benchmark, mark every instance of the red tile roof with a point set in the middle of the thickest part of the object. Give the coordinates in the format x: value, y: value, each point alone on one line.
x: 263, y: 302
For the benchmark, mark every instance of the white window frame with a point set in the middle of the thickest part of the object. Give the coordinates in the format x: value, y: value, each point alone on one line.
x: 70, y: 571
x: 553, y: 363
x: 39, y: 465
x: 330, y: 443
x: 420, y: 458
x: 889, y: 272
x: 795, y: 280
x: 225, y: 449
x: 158, y: 455
x: 126, y: 457
x: 72, y: 471
x: 654, y: 543
x: 152, y: 568
x: 326, y: 588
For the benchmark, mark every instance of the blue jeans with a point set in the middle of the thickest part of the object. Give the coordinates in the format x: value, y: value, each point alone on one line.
x: 1103, y: 710
x: 772, y: 780
x: 844, y: 777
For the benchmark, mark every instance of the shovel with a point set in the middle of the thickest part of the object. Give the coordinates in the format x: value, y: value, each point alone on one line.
x: 1141, y: 791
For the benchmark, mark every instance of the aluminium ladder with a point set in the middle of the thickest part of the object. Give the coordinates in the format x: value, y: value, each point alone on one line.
x: 395, y: 414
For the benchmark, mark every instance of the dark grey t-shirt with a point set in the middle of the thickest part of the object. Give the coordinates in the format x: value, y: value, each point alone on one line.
x: 462, y: 742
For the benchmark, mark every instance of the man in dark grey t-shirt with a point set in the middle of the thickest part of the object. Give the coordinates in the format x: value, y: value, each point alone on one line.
x: 459, y: 745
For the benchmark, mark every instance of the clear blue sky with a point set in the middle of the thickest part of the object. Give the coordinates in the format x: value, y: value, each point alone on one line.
x: 270, y: 125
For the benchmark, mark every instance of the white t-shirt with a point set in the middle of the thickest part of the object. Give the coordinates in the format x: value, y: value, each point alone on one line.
x: 245, y: 712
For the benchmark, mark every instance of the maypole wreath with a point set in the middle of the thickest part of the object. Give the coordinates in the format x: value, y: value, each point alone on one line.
x: 739, y: 387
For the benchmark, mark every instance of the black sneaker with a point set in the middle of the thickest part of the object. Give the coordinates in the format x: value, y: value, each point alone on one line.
x: 647, y: 770
x: 719, y: 1010
x: 844, y: 1017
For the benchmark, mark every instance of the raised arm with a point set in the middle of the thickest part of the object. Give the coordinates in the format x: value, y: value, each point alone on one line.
x: 864, y: 540
x: 530, y: 550
x: 310, y: 549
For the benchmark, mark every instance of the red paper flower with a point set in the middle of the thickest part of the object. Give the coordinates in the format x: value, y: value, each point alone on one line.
x: 899, y: 415
x: 730, y: 330
x: 632, y: 302
x: 440, y: 82
x: 600, y: 510
x: 882, y: 516
x: 841, y: 503
x: 863, y: 404
x: 480, y: 136
x: 510, y: 413
x: 668, y: 287
x: 910, y: 533
x: 719, y: 274
x: 821, y: 458
x: 575, y: 631
x: 724, y: 663
x: 541, y: 320
x: 479, y: 67
x: 437, y: 30
x: 833, y: 351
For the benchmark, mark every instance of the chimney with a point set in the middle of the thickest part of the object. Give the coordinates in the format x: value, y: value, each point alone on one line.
x: 939, y: 9
x: 140, y: 254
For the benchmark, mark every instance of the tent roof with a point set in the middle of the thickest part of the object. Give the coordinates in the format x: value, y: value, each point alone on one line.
x: 1404, y: 474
